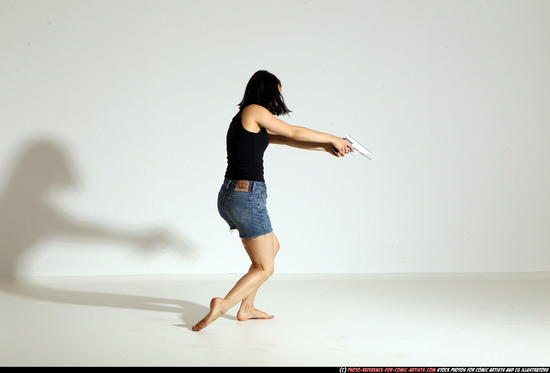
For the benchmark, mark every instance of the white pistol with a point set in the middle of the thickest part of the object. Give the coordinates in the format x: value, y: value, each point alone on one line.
x: 360, y: 148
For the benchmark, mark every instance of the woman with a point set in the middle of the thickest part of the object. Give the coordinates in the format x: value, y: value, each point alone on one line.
x: 242, y: 198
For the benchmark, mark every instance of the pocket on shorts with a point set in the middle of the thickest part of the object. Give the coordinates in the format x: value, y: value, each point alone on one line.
x: 239, y: 208
x: 262, y: 200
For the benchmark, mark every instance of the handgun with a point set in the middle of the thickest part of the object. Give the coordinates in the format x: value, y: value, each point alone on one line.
x: 360, y: 148
x: 357, y: 146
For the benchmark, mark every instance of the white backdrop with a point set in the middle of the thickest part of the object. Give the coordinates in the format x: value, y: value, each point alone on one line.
x: 128, y: 101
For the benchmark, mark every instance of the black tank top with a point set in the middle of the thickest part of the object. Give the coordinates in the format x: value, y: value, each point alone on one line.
x: 245, y: 152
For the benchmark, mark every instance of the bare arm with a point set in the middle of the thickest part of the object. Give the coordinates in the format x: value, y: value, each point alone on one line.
x: 307, y: 145
x: 255, y: 116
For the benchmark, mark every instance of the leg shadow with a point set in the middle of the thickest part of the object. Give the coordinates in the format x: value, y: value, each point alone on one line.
x: 189, y: 311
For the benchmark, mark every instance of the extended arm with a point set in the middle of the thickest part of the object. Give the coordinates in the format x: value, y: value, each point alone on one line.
x: 307, y: 145
x: 255, y: 116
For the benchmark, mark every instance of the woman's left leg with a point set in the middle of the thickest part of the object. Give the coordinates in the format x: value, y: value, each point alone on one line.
x: 247, y: 310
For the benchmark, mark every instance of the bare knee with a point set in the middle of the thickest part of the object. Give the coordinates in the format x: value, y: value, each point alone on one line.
x: 266, y: 270
x: 262, y: 251
x: 269, y: 271
x: 276, y: 246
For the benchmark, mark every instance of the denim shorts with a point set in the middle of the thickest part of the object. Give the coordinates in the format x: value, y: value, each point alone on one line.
x: 245, y: 211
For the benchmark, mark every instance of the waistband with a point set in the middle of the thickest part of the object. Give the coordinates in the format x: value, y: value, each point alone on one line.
x: 253, y: 186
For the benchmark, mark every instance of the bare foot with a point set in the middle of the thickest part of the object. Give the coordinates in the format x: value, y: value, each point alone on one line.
x: 247, y: 314
x: 215, y: 312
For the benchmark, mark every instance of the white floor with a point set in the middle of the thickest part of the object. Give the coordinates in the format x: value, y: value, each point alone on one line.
x: 320, y: 320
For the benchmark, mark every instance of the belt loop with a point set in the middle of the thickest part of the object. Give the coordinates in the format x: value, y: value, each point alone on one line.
x: 253, y: 187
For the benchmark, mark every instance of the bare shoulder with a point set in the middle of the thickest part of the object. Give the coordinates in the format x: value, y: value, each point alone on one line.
x: 251, y: 117
x: 255, y: 111
x: 255, y: 117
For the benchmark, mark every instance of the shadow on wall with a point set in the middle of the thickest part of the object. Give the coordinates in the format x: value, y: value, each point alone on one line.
x: 29, y: 216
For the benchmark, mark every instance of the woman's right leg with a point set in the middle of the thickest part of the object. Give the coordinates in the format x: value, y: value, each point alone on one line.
x: 247, y: 310
x: 260, y: 250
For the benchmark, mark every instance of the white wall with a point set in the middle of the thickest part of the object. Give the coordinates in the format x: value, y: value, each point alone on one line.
x: 129, y: 101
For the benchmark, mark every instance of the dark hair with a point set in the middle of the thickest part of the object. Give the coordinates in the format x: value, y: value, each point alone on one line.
x: 263, y: 89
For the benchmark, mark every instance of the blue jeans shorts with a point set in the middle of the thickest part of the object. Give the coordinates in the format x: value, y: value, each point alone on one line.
x: 242, y: 204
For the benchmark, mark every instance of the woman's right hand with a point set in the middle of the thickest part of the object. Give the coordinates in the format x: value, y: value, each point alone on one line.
x: 341, y: 146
